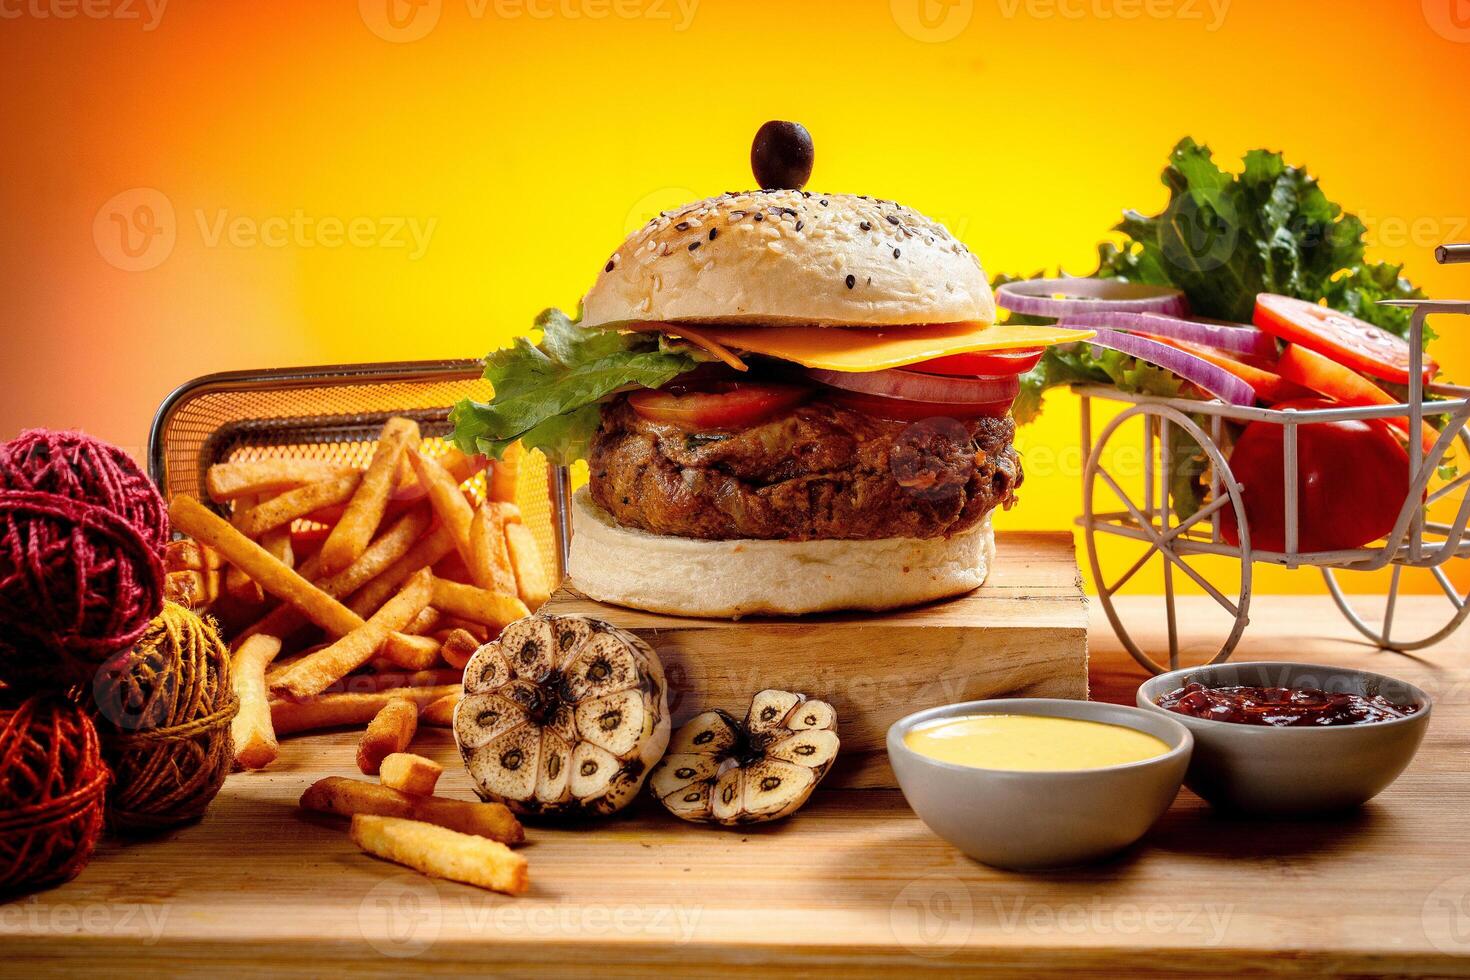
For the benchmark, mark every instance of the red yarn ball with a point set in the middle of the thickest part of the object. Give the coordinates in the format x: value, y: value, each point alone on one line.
x: 52, y: 786
x: 75, y: 465
x: 77, y: 584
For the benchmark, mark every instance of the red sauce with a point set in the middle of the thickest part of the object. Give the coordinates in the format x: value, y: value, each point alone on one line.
x: 1282, y: 707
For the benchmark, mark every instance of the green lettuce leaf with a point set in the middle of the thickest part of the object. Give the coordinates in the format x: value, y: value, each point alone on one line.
x: 548, y: 395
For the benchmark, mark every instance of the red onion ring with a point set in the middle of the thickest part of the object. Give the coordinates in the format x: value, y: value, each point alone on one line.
x: 915, y: 387
x: 1038, y: 297
x: 1241, y: 339
x: 1216, y: 380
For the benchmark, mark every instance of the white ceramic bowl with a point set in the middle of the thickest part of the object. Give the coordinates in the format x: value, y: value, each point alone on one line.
x: 1041, y: 819
x: 1265, y: 770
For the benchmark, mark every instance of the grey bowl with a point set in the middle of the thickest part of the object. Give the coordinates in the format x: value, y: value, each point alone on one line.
x: 1041, y: 819
x: 1293, y: 771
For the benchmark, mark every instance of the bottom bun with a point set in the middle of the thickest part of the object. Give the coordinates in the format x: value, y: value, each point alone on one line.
x: 730, y: 579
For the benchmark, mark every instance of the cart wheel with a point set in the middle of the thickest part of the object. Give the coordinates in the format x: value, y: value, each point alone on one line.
x: 1457, y: 604
x: 1175, y: 546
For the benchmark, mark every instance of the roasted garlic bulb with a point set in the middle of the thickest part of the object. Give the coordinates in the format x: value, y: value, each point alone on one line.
x: 562, y: 715
x: 720, y: 771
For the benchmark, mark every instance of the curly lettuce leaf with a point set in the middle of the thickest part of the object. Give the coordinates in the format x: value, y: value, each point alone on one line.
x: 547, y: 395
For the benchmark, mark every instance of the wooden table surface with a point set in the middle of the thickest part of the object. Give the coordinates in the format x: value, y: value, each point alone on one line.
x: 854, y: 883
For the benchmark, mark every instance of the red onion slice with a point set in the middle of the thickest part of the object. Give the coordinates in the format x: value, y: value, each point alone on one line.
x: 1216, y: 380
x: 915, y: 387
x: 1241, y: 339
x: 1040, y: 297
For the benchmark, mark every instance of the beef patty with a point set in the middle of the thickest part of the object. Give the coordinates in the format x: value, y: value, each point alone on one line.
x: 819, y: 471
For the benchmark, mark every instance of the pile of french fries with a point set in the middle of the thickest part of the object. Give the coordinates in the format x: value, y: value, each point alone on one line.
x: 356, y: 597
x: 352, y: 596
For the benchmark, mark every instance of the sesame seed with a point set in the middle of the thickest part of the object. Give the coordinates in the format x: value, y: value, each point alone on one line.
x: 609, y: 266
x: 892, y: 220
x: 682, y: 226
x: 865, y: 226
x: 760, y: 217
x: 851, y: 281
x: 694, y: 245
x: 895, y: 253
x: 824, y: 203
x: 712, y: 233
x: 800, y: 225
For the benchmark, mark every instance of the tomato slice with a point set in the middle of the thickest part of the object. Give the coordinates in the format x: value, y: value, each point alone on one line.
x: 904, y: 410
x: 981, y: 363
x: 1324, y: 375
x: 1269, y: 386
x: 720, y: 405
x: 1346, y: 339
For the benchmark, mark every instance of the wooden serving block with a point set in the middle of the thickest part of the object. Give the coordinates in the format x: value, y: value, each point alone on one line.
x: 1022, y: 634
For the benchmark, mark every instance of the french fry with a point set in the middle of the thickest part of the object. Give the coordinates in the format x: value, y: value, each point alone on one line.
x: 350, y: 538
x: 532, y: 584
x: 494, y: 609
x: 282, y: 510
x: 439, y: 713
x: 313, y: 674
x: 193, y: 518
x: 429, y: 549
x: 191, y: 589
x: 409, y: 773
x: 186, y: 555
x: 455, y: 512
x: 410, y: 652
x: 389, y: 675
x: 505, y: 474
x: 238, y: 585
x: 457, y: 648
x: 491, y: 567
x: 390, y: 731
x: 340, y: 710
x: 255, y: 740
x: 391, y: 545
x: 425, y: 622
x: 456, y: 463
x: 352, y: 797
x: 442, y: 853
x: 448, y: 624
x: 227, y: 481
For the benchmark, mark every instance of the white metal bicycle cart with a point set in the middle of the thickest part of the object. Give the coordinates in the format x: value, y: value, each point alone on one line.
x: 1430, y: 532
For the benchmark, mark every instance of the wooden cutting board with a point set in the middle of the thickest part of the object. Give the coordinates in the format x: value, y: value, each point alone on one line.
x: 1022, y: 634
x: 853, y: 885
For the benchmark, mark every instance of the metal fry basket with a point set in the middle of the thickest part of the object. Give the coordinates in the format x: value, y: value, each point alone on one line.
x: 1430, y: 532
x: 333, y: 413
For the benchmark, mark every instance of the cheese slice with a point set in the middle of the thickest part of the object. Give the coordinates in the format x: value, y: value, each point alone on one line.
x: 880, y: 348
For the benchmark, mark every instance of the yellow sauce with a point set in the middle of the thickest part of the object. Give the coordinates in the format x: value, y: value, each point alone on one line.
x: 1032, y: 743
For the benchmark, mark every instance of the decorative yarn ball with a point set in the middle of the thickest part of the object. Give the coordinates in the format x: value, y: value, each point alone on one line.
x: 77, y: 584
x: 52, y: 785
x: 73, y: 464
x: 164, y: 709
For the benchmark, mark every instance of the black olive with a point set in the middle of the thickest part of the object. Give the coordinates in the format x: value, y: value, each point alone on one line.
x: 782, y: 155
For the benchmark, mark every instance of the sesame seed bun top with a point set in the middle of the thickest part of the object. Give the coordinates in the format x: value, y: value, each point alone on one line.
x: 791, y: 257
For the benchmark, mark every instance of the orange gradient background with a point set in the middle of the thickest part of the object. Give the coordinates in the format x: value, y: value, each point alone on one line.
x: 523, y: 138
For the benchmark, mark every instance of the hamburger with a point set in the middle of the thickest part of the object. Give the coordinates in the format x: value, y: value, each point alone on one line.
x: 788, y: 402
